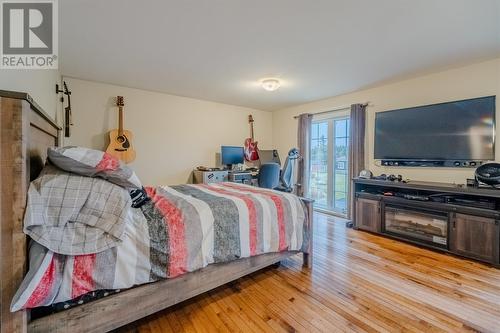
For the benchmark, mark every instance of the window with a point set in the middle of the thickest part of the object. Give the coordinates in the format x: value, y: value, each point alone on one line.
x: 329, y: 182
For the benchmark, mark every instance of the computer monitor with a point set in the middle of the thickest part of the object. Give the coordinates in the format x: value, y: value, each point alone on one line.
x: 231, y: 155
x: 269, y: 156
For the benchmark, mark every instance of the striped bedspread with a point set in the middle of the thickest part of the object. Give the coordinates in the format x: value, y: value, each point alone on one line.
x: 182, y: 229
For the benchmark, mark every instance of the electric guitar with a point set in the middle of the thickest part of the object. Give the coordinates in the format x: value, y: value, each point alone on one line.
x: 119, y: 140
x: 251, y: 150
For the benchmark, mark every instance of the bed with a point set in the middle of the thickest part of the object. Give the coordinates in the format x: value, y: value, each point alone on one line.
x: 26, y: 133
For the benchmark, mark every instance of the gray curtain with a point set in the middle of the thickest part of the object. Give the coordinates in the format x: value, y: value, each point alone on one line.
x: 356, y: 147
x: 304, y: 142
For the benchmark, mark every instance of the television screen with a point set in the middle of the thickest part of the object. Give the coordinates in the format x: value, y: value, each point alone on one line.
x: 460, y: 130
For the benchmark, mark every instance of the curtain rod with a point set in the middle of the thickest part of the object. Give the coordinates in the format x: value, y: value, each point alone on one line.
x: 338, y: 108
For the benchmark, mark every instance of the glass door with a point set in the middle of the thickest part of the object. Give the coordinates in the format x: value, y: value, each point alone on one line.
x: 320, y: 163
x: 329, y: 182
x: 340, y: 165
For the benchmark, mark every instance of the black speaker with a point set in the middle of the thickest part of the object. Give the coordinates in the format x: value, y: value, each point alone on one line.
x: 489, y: 173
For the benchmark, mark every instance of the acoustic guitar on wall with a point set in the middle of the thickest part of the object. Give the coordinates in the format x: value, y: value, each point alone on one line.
x: 120, y: 145
x: 251, y: 150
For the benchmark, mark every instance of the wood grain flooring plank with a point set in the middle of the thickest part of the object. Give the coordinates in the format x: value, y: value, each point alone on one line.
x: 360, y: 282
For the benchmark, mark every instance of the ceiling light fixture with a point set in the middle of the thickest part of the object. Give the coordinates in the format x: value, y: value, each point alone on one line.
x: 270, y: 84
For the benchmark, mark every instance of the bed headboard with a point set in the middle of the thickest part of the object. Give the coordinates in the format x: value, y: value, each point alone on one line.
x: 26, y: 132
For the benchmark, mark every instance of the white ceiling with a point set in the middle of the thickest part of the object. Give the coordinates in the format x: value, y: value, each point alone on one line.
x: 218, y: 49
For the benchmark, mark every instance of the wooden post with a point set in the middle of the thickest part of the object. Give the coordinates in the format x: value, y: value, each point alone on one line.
x: 13, y: 182
x: 308, y: 234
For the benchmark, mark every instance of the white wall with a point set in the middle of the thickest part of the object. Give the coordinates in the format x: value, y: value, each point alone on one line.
x: 39, y: 83
x: 172, y: 134
x: 481, y: 79
x: 175, y: 134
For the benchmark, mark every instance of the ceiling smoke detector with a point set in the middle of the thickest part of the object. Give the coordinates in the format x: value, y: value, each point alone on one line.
x: 270, y: 84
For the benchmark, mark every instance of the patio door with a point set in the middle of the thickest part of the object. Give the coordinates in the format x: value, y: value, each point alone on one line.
x: 329, y: 183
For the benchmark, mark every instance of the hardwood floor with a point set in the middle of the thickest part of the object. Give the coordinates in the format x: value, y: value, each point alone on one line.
x: 359, y: 282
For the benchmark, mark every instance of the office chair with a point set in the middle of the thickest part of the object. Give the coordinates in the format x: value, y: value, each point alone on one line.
x: 269, y: 175
x: 286, y: 177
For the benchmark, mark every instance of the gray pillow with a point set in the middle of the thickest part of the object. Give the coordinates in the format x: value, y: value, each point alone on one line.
x: 93, y: 163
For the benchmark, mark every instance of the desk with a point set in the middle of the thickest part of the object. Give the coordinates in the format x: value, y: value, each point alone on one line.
x: 243, y: 177
x: 207, y: 177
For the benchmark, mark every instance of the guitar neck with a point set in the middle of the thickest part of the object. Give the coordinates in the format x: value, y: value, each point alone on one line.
x: 251, y: 130
x: 120, y: 120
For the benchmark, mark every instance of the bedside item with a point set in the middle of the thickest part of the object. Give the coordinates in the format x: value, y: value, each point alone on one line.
x: 119, y: 140
x: 251, y: 150
x: 365, y: 174
x: 489, y: 174
x: 209, y: 176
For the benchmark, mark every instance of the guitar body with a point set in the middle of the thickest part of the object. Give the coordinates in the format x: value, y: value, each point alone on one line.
x: 251, y: 150
x: 121, y: 146
x: 120, y: 140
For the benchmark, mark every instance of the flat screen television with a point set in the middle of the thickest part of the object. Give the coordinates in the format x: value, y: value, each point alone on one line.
x: 454, y: 131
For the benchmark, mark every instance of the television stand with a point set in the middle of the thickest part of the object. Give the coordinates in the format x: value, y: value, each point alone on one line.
x: 445, y: 217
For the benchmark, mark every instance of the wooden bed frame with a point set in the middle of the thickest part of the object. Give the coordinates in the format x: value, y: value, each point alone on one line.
x: 26, y: 133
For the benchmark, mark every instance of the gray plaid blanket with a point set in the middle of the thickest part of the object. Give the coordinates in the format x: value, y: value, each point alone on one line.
x: 73, y: 215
